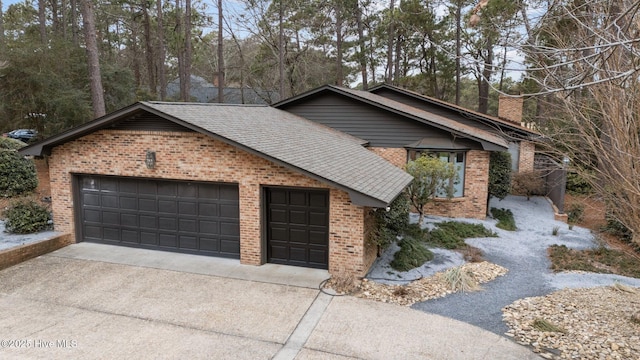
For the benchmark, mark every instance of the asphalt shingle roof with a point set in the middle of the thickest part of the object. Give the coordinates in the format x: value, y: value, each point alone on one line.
x: 314, y: 149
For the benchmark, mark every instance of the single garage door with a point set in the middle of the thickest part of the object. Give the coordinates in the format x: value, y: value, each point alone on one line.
x: 298, y: 227
x: 181, y: 216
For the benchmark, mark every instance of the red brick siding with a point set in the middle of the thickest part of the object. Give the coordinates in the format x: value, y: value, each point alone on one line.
x: 192, y: 156
x: 476, y: 181
x: 527, y: 155
x: 510, y: 108
x: 396, y: 156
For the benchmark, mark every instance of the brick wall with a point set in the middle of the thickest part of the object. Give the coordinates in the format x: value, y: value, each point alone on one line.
x: 396, y: 156
x: 193, y: 156
x: 527, y: 156
x: 476, y: 182
x: 510, y: 108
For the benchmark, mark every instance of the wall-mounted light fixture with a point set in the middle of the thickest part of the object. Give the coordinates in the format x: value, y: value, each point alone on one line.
x: 150, y: 159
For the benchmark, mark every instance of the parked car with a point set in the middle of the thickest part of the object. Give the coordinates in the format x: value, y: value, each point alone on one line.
x: 24, y: 135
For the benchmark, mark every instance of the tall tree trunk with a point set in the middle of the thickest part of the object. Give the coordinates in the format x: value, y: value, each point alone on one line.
x: 180, y: 51
x: 54, y: 17
x: 74, y: 22
x: 162, y: 77
x: 458, y: 48
x: 42, y: 25
x: 281, y: 49
x: 153, y: 88
x: 95, y: 81
x: 187, y: 49
x: 136, y: 54
x: 487, y: 71
x: 339, y: 74
x: 390, y: 44
x: 361, y: 44
x: 1, y: 28
x: 220, y: 55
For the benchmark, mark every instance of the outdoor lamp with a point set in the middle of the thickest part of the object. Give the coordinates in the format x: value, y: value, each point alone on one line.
x: 150, y: 160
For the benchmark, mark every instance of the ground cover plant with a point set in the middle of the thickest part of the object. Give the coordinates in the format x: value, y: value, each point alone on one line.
x: 600, y: 260
x: 505, y: 219
x: 451, y: 234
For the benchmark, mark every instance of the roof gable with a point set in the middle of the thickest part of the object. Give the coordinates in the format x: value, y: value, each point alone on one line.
x: 315, y: 150
x: 470, y: 117
x: 488, y: 140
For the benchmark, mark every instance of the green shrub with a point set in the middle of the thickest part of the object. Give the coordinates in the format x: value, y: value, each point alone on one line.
x: 499, y: 174
x: 575, y: 213
x: 578, y: 185
x: 412, y: 254
x: 505, y: 219
x: 7, y: 143
x: 17, y: 174
x: 416, y: 232
x: 384, y: 226
x: 27, y: 217
x: 451, y: 234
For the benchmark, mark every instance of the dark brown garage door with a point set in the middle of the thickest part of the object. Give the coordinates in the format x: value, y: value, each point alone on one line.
x: 189, y: 217
x: 298, y: 227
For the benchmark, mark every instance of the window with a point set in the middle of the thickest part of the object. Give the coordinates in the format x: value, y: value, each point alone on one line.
x: 454, y: 157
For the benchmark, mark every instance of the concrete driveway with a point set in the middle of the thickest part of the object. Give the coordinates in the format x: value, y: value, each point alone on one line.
x: 95, y: 301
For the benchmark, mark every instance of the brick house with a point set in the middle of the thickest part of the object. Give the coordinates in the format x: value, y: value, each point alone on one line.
x: 399, y: 126
x: 249, y: 182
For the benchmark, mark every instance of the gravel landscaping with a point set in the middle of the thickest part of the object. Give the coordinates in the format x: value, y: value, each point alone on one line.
x: 8, y: 241
x: 530, y: 290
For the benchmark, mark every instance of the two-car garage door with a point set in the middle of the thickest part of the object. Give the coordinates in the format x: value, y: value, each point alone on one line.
x: 201, y: 218
x: 181, y: 216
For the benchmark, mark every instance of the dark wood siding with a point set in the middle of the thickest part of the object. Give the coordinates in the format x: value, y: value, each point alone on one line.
x: 434, y: 109
x: 380, y: 127
x: 145, y: 121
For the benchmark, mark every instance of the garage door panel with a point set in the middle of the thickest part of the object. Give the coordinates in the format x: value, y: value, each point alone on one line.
x: 229, y: 211
x: 148, y: 238
x: 229, y: 193
x: 318, y: 218
x: 153, y: 214
x: 187, y: 225
x: 130, y: 236
x: 167, y: 223
x: 230, y: 246
x: 148, y: 222
x: 91, y: 199
x: 168, y: 206
x: 230, y: 228
x: 168, y: 240
x: 187, y: 190
x: 297, y: 232
x: 130, y: 220
x: 298, y: 217
x: 128, y: 202
x: 208, y: 210
x: 188, y: 242
x: 92, y: 215
x: 110, y: 218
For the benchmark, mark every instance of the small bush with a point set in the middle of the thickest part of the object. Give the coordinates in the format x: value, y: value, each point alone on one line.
x: 528, y: 183
x: 17, y: 174
x: 7, y: 143
x: 451, y: 234
x: 461, y: 280
x: 416, y: 232
x: 555, y: 230
x: 27, y: 217
x: 412, y: 254
x: 575, y: 213
x: 505, y: 219
x: 545, y: 325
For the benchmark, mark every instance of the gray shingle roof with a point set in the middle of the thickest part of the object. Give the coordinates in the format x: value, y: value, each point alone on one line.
x: 316, y: 150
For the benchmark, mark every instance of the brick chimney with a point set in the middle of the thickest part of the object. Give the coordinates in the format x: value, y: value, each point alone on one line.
x: 510, y: 108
